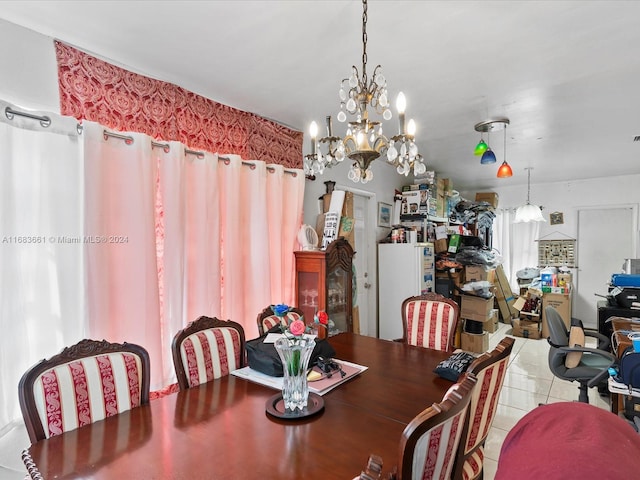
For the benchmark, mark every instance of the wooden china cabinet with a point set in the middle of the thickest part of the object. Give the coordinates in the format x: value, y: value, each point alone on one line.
x: 324, y: 282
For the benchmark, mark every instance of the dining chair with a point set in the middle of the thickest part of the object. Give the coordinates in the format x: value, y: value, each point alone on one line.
x: 430, y: 321
x: 267, y: 319
x: 429, y: 442
x: 489, y: 369
x: 206, y: 349
x: 82, y: 384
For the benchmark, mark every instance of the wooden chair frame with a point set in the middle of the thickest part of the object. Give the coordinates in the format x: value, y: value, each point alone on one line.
x: 502, y: 351
x: 84, y: 349
x: 431, y: 297
x: 202, y: 323
x: 454, y: 401
x: 267, y: 312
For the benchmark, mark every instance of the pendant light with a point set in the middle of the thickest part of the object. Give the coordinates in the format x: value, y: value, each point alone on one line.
x: 481, y: 147
x: 528, y: 212
x: 488, y: 126
x: 505, y: 169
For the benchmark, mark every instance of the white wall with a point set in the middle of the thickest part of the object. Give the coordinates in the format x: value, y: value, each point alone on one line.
x: 567, y: 197
x: 385, y: 182
x: 29, y: 74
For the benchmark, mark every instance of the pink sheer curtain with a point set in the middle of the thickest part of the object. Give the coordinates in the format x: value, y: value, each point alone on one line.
x: 121, y: 268
x: 285, y: 196
x: 182, y: 234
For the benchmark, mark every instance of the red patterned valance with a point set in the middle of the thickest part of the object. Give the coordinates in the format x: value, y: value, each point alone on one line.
x: 95, y: 90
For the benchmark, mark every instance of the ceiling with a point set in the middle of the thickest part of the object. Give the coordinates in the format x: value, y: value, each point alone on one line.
x: 566, y: 73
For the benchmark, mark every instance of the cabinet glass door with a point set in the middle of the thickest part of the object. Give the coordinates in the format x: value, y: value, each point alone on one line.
x: 337, y: 284
x: 308, y: 283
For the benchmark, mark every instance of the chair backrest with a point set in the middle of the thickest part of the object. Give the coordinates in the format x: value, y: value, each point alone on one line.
x: 82, y: 384
x: 429, y: 442
x: 267, y: 319
x: 206, y: 349
x: 430, y: 320
x: 558, y: 334
x: 490, y: 369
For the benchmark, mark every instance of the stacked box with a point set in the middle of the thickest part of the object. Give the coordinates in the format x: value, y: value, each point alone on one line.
x: 504, y: 296
x: 562, y: 303
x: 528, y: 323
x: 525, y: 329
x: 489, y: 197
x: 480, y: 310
x: 474, y: 342
x: 477, y: 273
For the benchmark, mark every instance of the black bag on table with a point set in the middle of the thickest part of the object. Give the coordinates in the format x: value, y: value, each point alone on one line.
x: 264, y: 358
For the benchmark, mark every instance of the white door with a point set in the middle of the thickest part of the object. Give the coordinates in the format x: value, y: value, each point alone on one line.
x: 364, y: 259
x: 606, y: 236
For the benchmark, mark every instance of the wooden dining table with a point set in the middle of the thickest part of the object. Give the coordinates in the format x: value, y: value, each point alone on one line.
x: 220, y: 430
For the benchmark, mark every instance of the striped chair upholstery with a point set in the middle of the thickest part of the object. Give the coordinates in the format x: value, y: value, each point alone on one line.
x: 208, y: 348
x: 267, y: 319
x: 489, y: 369
x: 84, y: 383
x: 430, y: 441
x: 430, y: 321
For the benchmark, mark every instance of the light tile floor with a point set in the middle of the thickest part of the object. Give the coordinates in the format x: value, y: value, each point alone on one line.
x: 528, y: 383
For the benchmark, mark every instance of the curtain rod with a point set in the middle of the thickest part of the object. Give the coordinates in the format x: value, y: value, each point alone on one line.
x: 43, y: 119
x: 165, y: 146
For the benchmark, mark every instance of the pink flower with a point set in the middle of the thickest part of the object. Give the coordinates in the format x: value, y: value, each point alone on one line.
x: 297, y: 327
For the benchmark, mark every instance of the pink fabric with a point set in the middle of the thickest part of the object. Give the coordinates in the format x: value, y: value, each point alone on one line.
x: 570, y: 440
x: 93, y: 89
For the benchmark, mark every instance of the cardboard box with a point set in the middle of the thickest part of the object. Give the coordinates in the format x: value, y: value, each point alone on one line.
x: 562, y: 303
x: 440, y: 245
x: 564, y: 279
x: 477, y: 273
x: 474, y: 342
x: 489, y: 197
x: 476, y: 308
x: 525, y: 329
x: 491, y: 325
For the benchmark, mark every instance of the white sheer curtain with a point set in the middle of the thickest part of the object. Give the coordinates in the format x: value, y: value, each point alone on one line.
x: 42, y: 306
x: 516, y: 242
x: 114, y: 238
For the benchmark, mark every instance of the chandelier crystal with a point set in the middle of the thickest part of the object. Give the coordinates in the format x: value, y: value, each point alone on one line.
x: 364, y: 140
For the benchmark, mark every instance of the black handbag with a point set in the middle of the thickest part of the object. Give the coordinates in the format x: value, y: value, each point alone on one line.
x: 264, y: 358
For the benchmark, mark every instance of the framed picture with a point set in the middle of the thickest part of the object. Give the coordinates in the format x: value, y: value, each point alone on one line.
x: 384, y: 214
x: 556, y: 218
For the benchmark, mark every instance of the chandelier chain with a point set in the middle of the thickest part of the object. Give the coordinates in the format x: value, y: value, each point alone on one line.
x: 364, y: 43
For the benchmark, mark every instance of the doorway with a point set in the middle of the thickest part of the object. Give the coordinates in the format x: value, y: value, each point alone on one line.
x: 606, y: 236
x: 364, y: 259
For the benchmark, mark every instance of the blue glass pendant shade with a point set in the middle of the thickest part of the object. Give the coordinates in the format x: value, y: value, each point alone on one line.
x: 488, y: 157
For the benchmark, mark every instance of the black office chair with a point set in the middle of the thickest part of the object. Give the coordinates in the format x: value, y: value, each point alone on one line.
x: 590, y: 369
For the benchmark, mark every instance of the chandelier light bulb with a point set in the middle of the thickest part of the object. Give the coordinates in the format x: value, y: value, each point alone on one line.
x: 313, y: 130
x: 401, y: 103
x: 411, y: 127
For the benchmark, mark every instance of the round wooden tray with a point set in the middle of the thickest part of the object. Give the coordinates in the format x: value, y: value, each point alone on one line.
x: 275, y: 407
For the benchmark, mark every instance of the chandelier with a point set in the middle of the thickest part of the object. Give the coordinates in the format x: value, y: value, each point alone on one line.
x: 364, y: 140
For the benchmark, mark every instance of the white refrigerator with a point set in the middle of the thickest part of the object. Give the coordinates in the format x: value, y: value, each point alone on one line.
x: 404, y: 270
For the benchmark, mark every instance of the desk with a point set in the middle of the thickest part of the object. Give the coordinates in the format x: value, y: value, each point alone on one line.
x: 220, y: 430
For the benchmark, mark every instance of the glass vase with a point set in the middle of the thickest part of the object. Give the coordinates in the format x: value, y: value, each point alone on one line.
x: 295, y: 354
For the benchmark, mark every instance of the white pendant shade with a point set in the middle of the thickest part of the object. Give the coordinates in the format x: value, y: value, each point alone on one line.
x: 528, y: 213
